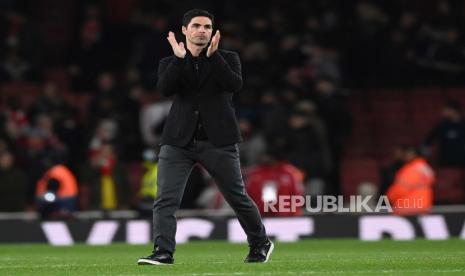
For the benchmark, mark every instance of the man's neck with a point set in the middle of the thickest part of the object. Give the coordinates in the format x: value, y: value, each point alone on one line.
x: 195, y: 49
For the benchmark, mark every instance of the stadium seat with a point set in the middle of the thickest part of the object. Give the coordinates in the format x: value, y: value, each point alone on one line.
x: 361, y: 140
x: 395, y: 95
x: 27, y: 93
x: 388, y: 103
x: 84, y: 197
x: 59, y: 76
x: 449, y: 186
x: 385, y: 117
x: 79, y: 101
x: 356, y: 171
x: 135, y: 172
x: 358, y: 102
x: 426, y: 104
x: 456, y: 94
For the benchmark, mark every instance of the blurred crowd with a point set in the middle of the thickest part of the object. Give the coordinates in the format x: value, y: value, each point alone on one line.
x: 300, y: 61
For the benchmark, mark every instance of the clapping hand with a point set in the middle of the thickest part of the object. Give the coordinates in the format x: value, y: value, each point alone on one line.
x: 178, y: 48
x: 214, y: 44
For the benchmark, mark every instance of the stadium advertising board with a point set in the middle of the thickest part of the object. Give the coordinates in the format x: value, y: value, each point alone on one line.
x: 363, y: 227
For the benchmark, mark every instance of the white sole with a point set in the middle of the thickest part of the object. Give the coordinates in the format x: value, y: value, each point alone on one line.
x: 149, y: 262
x: 269, y: 252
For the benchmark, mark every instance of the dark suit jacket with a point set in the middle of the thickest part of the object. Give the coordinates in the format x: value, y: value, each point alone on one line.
x: 207, y: 97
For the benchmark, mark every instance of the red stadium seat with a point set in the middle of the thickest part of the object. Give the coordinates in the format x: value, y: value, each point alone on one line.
x: 26, y: 93
x: 387, y: 95
x: 426, y: 94
x: 361, y: 140
x: 358, y: 102
x: 357, y: 171
x: 456, y: 94
x: 80, y: 101
x: 135, y: 172
x: 425, y: 111
x: 388, y: 103
x: 59, y: 76
x: 449, y: 186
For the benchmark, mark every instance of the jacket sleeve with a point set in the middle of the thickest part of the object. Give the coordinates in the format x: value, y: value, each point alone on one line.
x: 227, y: 73
x: 169, y: 72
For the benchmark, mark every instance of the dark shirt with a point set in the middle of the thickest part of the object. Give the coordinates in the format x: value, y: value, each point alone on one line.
x: 199, y: 133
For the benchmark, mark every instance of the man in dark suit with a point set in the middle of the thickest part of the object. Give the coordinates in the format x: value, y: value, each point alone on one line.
x: 201, y: 128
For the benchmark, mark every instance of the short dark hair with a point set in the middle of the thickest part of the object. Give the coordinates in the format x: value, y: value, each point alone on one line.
x: 186, y: 19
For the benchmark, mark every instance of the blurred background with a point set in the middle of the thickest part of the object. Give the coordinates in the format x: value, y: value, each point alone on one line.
x: 338, y: 97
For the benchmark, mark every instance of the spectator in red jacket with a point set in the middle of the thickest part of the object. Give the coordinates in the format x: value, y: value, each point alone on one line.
x: 271, y: 179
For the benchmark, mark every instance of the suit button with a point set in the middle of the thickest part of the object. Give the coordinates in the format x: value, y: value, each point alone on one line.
x: 196, y: 112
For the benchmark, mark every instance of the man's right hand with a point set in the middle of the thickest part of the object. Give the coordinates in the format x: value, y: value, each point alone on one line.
x: 178, y: 48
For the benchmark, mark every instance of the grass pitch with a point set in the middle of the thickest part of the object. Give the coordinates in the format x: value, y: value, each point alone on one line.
x: 310, y: 257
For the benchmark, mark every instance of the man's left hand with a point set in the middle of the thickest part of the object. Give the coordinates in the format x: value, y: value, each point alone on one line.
x: 214, y: 44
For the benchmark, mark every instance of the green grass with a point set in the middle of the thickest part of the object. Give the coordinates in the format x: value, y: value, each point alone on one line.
x: 310, y: 257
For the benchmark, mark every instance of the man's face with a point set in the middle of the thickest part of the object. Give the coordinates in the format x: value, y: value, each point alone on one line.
x: 324, y: 87
x: 409, y: 155
x: 199, y: 31
x: 297, y: 121
x: 6, y: 160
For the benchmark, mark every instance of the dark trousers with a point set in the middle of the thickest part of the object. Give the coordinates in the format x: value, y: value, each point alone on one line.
x: 174, y: 167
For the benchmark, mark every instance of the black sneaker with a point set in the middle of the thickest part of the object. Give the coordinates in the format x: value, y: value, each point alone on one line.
x: 260, y: 253
x: 159, y: 257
